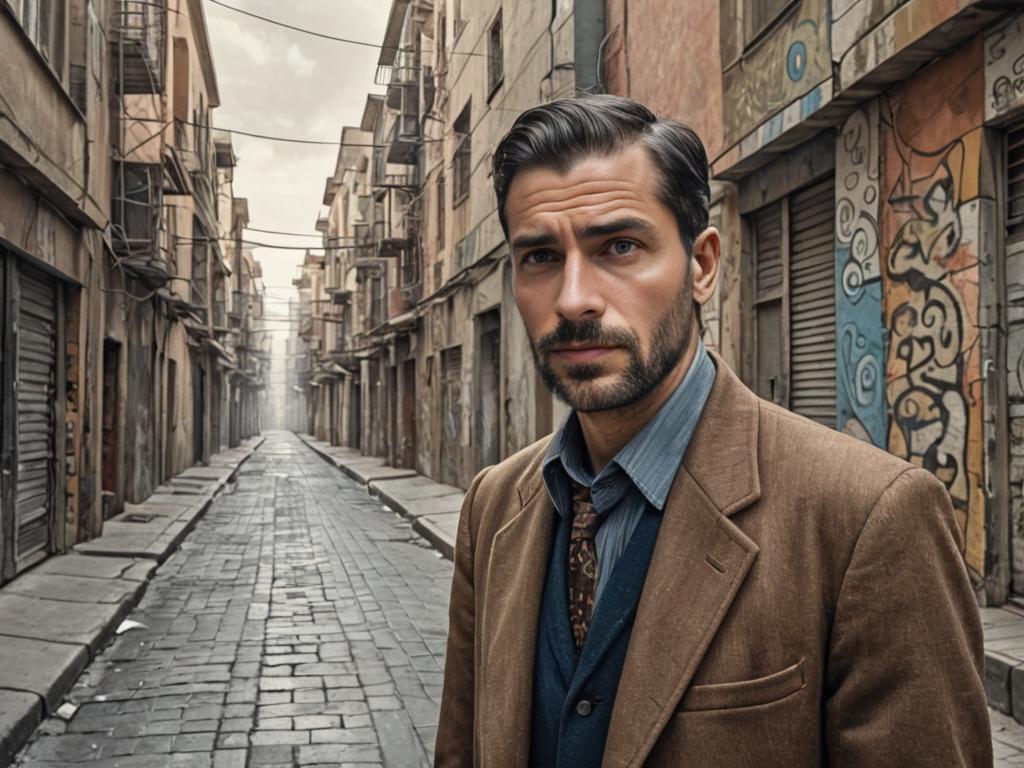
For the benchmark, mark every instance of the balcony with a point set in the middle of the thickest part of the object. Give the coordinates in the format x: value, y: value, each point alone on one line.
x: 139, y: 39
x: 393, y: 247
x: 404, y: 140
x: 140, y: 235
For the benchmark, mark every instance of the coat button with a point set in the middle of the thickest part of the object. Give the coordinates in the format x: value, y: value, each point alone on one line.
x: 584, y: 707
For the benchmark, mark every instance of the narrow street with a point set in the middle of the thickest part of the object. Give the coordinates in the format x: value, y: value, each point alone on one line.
x: 299, y: 624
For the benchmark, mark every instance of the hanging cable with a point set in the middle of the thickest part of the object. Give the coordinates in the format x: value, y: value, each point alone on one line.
x: 325, y: 36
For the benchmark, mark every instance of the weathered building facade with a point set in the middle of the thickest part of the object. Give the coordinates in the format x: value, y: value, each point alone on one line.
x: 112, y: 197
x: 54, y: 208
x: 425, y: 363
x: 866, y: 154
x: 864, y: 177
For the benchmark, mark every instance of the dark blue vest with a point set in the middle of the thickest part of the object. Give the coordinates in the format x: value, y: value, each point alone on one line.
x: 573, y: 698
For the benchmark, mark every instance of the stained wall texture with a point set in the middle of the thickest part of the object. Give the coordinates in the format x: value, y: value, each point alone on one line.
x: 761, y: 76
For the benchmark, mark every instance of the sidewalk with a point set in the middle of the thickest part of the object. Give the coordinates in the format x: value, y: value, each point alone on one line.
x: 56, y: 617
x: 432, y: 507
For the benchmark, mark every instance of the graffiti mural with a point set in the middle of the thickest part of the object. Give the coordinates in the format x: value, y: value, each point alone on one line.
x: 931, y: 140
x: 778, y: 71
x: 1004, y: 68
x: 860, y: 335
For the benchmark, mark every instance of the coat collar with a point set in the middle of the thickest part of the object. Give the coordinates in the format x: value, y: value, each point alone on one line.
x: 699, y: 555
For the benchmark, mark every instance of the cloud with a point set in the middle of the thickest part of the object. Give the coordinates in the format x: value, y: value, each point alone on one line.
x: 228, y: 32
x: 299, y: 62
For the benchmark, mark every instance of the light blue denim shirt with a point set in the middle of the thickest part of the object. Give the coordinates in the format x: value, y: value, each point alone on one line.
x: 641, y: 473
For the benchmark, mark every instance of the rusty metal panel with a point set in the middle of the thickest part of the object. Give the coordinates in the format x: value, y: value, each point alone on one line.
x: 812, y: 303
x: 36, y: 385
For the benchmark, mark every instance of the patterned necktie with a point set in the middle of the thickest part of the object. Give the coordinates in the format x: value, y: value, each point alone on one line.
x: 582, y: 563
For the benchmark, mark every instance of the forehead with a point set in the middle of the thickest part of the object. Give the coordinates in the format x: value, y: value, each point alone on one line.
x: 619, y: 183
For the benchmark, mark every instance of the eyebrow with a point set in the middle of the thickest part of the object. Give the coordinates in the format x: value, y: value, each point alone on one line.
x: 593, y: 231
x: 533, y: 241
x: 616, y: 226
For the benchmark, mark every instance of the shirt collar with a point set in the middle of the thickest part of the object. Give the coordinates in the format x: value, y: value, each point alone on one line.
x: 650, y: 460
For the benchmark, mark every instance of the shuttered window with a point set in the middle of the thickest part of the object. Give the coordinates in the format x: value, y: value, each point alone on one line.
x: 35, y: 361
x: 794, y: 302
x: 812, y: 318
x: 1015, y: 181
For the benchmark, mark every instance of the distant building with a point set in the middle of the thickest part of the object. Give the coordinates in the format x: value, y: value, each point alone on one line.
x: 119, y: 239
x: 415, y: 354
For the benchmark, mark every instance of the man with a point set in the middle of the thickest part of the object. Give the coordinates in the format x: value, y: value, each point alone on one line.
x: 685, y: 575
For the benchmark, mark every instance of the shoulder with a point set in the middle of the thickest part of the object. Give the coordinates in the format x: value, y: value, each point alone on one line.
x: 819, y: 464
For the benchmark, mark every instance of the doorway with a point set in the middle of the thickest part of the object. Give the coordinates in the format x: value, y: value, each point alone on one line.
x: 111, y: 421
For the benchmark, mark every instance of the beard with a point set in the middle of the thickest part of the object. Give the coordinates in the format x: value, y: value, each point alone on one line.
x: 578, y: 387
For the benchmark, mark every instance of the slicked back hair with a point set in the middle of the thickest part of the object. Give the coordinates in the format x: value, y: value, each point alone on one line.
x: 560, y: 134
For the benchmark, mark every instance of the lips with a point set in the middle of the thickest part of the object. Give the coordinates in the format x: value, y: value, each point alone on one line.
x: 581, y: 354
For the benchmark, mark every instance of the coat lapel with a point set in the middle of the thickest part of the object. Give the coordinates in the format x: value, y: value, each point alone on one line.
x: 510, y: 617
x: 699, y: 564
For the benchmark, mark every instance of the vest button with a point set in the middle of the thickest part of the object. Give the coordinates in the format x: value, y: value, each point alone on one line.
x: 584, y: 707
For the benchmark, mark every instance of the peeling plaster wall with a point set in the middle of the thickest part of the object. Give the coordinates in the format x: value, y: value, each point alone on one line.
x: 769, y: 74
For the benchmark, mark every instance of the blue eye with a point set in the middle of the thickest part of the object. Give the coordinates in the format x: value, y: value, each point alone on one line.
x: 538, y: 257
x: 623, y: 247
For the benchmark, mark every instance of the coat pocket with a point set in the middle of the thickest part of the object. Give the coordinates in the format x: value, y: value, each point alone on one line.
x: 744, y: 693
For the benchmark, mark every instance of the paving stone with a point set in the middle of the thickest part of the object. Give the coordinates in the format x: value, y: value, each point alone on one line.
x: 20, y: 713
x: 45, y: 668
x: 295, y: 597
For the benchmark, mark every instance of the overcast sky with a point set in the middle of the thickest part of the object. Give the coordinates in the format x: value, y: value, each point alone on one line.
x: 279, y: 82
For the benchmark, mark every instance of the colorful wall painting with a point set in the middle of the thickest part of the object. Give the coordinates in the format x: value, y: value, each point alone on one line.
x: 860, y: 335
x: 931, y: 148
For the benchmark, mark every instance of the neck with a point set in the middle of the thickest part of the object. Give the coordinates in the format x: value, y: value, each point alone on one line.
x: 607, y: 432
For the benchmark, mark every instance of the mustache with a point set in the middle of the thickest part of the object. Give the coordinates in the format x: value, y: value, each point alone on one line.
x: 585, y: 332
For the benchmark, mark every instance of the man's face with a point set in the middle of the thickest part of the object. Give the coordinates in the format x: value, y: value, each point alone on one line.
x: 600, y: 277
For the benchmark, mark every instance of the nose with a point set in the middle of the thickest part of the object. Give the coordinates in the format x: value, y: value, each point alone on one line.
x: 578, y: 296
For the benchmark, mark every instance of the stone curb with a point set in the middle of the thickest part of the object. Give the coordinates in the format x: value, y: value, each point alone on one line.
x: 43, y: 652
x: 436, y: 526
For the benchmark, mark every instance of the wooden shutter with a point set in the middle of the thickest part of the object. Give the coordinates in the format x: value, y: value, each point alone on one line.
x: 812, y: 380
x: 36, y: 376
x: 1015, y: 181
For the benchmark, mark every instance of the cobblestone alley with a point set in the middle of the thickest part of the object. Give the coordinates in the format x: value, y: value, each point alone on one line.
x: 299, y: 624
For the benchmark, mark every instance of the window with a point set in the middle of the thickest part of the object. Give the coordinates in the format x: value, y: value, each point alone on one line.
x: 460, y: 164
x: 442, y: 55
x: 495, y: 58
x: 761, y: 14
x: 441, y: 200
x: 44, y: 22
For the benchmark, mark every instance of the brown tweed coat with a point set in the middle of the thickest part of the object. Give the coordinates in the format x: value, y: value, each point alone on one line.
x: 806, y: 605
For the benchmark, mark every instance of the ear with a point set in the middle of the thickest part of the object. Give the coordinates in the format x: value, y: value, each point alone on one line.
x: 704, y: 264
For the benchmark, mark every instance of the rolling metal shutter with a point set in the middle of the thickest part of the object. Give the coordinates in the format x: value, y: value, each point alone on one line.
x: 812, y: 303
x: 1015, y: 181
x: 768, y: 235
x: 36, y: 361
x: 770, y: 278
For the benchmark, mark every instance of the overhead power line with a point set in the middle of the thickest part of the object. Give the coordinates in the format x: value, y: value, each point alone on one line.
x: 323, y: 35
x: 297, y: 234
